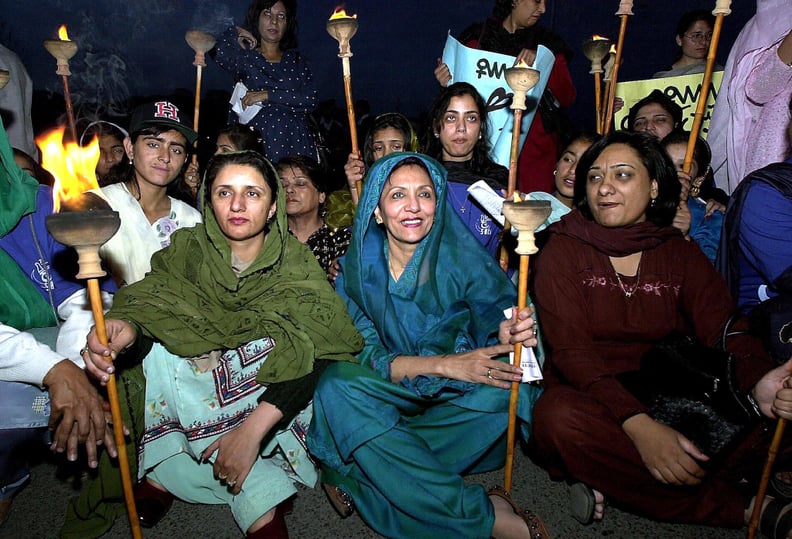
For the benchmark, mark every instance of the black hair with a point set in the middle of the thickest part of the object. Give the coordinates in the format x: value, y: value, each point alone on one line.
x: 434, y: 148
x: 384, y: 121
x: 689, y: 19
x: 243, y: 137
x: 701, y: 151
x: 657, y: 162
x: 246, y: 158
x: 312, y: 170
x: 656, y: 96
x: 289, y: 40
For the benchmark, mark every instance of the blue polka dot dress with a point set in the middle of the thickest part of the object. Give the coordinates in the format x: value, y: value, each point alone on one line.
x: 292, y: 94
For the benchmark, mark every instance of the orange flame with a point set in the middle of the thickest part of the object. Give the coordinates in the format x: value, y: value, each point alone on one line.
x: 612, y: 50
x: 517, y: 197
x: 522, y: 63
x: 63, y: 35
x: 596, y: 37
x: 340, y: 13
x: 73, y: 166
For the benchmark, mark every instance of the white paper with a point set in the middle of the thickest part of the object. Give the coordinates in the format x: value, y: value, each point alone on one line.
x: 491, y: 201
x: 530, y: 367
x: 245, y: 113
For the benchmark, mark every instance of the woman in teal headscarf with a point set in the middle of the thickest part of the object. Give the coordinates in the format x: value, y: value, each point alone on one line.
x: 233, y: 305
x: 428, y: 402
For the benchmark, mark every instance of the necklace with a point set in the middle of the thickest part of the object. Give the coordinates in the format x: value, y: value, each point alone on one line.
x: 628, y: 292
x: 462, y: 205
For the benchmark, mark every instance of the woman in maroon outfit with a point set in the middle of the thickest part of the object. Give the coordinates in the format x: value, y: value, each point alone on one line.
x: 614, y: 279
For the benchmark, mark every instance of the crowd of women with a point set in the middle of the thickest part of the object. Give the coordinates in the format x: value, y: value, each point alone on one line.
x: 267, y: 332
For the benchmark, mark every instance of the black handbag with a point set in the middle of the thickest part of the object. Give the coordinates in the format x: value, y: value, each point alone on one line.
x: 692, y: 388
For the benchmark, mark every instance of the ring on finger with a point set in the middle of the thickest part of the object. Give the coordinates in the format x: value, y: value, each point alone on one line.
x: 231, y: 483
x: 222, y: 477
x: 83, y: 351
x: 489, y: 374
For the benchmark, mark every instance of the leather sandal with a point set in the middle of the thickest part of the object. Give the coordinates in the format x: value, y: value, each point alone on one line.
x: 535, y: 525
x: 582, y: 503
x: 773, y: 523
x: 341, y: 501
x: 152, y: 503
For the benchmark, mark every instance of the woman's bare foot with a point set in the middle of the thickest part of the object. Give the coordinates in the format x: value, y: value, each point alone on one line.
x: 599, y: 505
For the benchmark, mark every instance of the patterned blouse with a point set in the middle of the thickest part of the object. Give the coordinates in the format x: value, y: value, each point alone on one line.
x: 292, y: 95
x: 327, y: 244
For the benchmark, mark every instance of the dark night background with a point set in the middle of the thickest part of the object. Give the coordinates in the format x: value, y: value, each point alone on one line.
x: 130, y: 50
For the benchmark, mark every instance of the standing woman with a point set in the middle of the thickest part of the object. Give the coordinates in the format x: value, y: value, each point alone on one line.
x: 512, y: 29
x: 157, y: 148
x: 458, y: 137
x: 306, y: 191
x: 693, y: 36
x: 238, y: 343
x: 263, y: 56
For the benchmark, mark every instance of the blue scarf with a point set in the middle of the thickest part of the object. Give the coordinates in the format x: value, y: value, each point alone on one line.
x: 450, y: 297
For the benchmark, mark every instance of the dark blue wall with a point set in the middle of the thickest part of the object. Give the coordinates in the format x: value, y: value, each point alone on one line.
x: 138, y: 48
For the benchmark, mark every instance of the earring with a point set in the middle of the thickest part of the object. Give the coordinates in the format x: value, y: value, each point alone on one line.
x: 437, y: 135
x: 378, y: 219
x: 554, y: 173
x: 653, y: 203
x: 479, y: 136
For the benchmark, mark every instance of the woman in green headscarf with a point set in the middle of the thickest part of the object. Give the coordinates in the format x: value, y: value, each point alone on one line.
x: 429, y: 401
x: 243, y: 321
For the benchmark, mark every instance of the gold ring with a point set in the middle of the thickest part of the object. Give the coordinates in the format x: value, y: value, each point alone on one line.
x: 489, y: 374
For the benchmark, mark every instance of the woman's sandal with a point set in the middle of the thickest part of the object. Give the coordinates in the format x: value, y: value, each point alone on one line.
x: 340, y: 500
x: 773, y: 524
x: 582, y: 503
x: 532, y: 520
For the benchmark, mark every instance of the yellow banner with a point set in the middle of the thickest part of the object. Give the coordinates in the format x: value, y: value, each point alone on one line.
x: 684, y: 90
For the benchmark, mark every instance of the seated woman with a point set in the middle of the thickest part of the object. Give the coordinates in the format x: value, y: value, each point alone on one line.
x: 237, y: 138
x: 305, y: 190
x: 239, y: 342
x: 111, y: 148
x: 658, y: 115
x: 389, y: 132
x: 427, y: 299
x: 693, y: 218
x: 158, y: 146
x: 614, y: 279
x: 458, y: 137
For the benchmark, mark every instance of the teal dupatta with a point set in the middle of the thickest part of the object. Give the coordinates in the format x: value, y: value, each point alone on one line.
x: 449, y: 299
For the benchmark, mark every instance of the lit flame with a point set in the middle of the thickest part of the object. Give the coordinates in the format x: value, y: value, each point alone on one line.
x: 73, y: 166
x: 517, y: 198
x: 63, y: 35
x: 522, y: 63
x: 340, y: 13
x: 612, y: 50
x: 595, y: 37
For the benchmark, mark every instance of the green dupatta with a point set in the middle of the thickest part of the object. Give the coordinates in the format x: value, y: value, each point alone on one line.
x: 193, y: 302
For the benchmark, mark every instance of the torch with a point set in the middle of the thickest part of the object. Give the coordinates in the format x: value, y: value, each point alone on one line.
x: 526, y: 216
x: 625, y: 10
x: 86, y: 227
x: 63, y: 49
x: 596, y: 49
x: 342, y: 27
x: 520, y: 79
x: 722, y: 8
x: 201, y: 42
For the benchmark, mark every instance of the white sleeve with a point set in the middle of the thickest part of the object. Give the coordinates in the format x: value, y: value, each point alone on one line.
x: 78, y: 320
x: 23, y: 358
